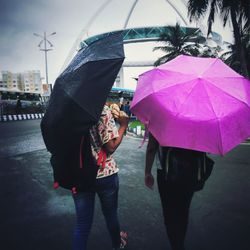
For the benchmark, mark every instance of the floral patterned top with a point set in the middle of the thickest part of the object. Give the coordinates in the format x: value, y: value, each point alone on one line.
x: 104, y: 131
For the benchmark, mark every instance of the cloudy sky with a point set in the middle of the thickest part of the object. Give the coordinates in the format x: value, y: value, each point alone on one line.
x: 19, y: 19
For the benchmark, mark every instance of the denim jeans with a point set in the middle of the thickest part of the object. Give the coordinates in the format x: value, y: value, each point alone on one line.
x: 107, y: 190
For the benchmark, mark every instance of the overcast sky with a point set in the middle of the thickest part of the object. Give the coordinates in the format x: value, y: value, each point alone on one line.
x: 19, y: 19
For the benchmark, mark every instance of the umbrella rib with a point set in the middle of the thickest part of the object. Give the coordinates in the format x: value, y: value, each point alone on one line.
x: 217, y: 119
x: 244, y: 103
x: 213, y: 112
x: 154, y: 91
x: 79, y: 105
x: 207, y: 80
x: 183, y: 81
x: 186, y: 96
x: 210, y: 65
x: 173, y: 70
x: 178, y: 71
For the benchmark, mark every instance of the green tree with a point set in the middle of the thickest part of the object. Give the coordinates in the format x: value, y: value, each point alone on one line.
x: 230, y: 57
x: 234, y: 11
x: 210, y: 51
x: 178, y: 41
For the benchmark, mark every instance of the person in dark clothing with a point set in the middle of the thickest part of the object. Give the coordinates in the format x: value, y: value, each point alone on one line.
x: 127, y: 109
x: 175, y: 197
x: 18, y: 106
x: 175, y: 204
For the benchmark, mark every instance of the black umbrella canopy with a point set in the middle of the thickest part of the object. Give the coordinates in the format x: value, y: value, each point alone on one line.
x: 95, y: 68
x: 80, y: 92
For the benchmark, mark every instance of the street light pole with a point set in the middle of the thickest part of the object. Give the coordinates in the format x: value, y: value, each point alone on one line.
x: 45, y: 52
x: 44, y: 42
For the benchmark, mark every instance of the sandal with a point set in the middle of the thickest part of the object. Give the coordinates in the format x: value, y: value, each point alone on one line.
x: 124, y: 238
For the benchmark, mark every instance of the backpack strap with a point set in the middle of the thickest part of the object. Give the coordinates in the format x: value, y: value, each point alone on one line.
x: 163, y: 154
x: 167, y: 160
x: 102, y: 156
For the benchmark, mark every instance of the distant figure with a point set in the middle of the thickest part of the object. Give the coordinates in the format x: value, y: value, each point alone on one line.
x: 1, y: 105
x: 18, y: 106
x: 127, y: 109
x: 121, y: 100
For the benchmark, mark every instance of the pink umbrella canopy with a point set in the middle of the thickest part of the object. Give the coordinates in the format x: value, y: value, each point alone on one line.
x: 194, y: 103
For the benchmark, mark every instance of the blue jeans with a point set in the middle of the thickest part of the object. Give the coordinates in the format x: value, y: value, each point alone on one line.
x: 107, y: 190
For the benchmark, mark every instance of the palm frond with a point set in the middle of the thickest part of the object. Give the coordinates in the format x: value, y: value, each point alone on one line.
x: 166, y: 58
x: 225, y: 14
x: 164, y: 48
x: 197, y: 8
x: 178, y: 41
x: 213, y: 10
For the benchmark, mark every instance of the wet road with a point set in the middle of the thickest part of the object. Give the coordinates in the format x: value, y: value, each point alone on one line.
x: 20, y: 137
x: 36, y: 217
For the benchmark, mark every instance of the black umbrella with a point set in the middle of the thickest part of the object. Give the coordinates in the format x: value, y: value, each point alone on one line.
x: 77, y: 100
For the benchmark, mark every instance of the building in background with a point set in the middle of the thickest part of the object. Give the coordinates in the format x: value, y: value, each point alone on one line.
x: 26, y: 82
x: 31, y: 81
x: 22, y: 93
x: 10, y: 81
x: 119, y: 79
x: 46, y: 90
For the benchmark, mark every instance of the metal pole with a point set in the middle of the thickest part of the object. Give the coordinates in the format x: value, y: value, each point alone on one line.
x: 45, y: 49
x: 46, y: 61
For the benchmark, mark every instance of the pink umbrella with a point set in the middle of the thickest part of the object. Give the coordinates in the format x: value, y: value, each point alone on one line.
x: 194, y: 103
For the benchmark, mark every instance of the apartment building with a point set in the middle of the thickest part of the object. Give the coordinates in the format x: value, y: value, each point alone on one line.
x: 27, y: 82
x: 31, y: 81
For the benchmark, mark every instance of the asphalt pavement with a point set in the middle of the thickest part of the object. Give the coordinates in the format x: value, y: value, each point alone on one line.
x: 34, y: 216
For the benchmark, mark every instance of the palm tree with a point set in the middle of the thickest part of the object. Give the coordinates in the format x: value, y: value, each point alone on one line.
x: 207, y: 51
x: 230, y: 57
x: 237, y: 11
x: 177, y: 42
x: 246, y: 42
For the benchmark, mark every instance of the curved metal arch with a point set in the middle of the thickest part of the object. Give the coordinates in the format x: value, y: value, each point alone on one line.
x: 93, y: 18
x: 128, y: 64
x: 141, y: 34
x: 169, y: 2
x: 176, y: 10
x: 83, y: 31
x: 130, y: 13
